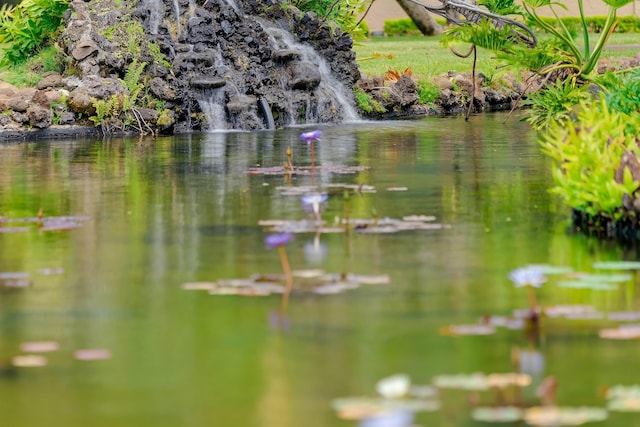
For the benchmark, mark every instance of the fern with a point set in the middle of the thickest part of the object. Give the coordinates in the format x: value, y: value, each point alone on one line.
x: 132, y: 79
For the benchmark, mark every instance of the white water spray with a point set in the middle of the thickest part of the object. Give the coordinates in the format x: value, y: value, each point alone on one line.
x: 281, y: 39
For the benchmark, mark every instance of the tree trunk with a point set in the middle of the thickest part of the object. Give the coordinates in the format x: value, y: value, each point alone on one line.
x: 419, y: 15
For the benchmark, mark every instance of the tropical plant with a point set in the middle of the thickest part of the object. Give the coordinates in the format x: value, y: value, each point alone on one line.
x: 344, y: 13
x: 27, y: 26
x: 559, y: 56
x: 588, y: 154
x: 554, y: 104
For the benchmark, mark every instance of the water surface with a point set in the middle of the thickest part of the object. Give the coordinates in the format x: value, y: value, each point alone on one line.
x: 171, y: 210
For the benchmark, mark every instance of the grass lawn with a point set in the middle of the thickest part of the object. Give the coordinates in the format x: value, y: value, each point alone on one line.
x: 426, y: 57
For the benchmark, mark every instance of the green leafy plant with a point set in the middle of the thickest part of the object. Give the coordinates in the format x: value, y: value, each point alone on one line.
x: 588, y: 155
x: 625, y: 96
x: 554, y: 103
x: 366, y: 103
x: 428, y: 91
x: 344, y: 13
x: 24, y: 28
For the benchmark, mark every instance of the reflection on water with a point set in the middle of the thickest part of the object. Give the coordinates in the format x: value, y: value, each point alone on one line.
x: 167, y: 211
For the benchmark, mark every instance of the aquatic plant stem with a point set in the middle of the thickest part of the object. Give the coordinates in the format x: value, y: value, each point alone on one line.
x: 284, y: 260
x: 532, y: 299
x: 313, y: 164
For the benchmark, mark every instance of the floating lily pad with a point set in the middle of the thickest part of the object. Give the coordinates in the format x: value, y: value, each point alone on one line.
x: 617, y: 265
x: 513, y: 323
x: 563, y: 416
x: 624, y: 316
x: 550, y: 270
x: 624, y: 398
x: 360, y: 408
x: 92, y: 354
x: 39, y: 346
x: 15, y: 280
x: 397, y: 189
x: 51, y: 271
x: 306, y: 170
x: 473, y: 329
x: 394, y: 387
x: 361, y: 225
x: 583, y: 312
x: 500, y: 414
x: 312, y: 281
x: 14, y: 229
x: 588, y: 284
x: 479, y: 381
x: 29, y: 361
x: 356, y: 188
x: 625, y: 332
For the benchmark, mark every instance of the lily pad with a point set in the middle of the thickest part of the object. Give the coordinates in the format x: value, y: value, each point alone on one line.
x: 312, y: 281
x: 563, y: 416
x: 394, y: 387
x: 14, y: 229
x: 587, y: 284
x: 39, y: 346
x: 480, y: 381
x: 306, y: 170
x: 29, y: 361
x: 575, y: 312
x: 92, y: 354
x: 624, y: 398
x: 473, y: 329
x: 624, y: 316
x: 617, y: 265
x: 500, y: 414
x: 625, y: 332
x: 360, y: 408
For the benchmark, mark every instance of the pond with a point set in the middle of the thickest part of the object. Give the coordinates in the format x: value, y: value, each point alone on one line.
x: 146, y: 218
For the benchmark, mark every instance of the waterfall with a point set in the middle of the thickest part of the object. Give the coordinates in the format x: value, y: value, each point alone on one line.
x: 212, y: 105
x: 232, y: 4
x: 156, y: 13
x: 281, y: 40
x: 176, y: 7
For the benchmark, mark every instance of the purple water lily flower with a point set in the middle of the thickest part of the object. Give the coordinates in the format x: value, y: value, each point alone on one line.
x: 311, y: 136
x: 274, y: 240
x: 531, y: 275
x: 312, y: 202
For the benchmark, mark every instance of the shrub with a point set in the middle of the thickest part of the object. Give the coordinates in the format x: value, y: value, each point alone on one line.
x: 588, y: 154
x: 401, y: 27
x: 24, y: 28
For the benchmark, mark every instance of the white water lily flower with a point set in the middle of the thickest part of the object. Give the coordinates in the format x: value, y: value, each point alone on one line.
x: 394, y: 387
x: 532, y: 275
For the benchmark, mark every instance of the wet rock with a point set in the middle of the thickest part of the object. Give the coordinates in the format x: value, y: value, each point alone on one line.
x: 80, y: 101
x: 50, y: 80
x: 84, y: 49
x: 163, y: 90
x: 303, y: 75
x: 40, y: 98
x: 7, y: 90
x: 39, y: 117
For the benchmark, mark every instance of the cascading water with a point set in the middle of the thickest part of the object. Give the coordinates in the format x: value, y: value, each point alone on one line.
x: 176, y: 9
x: 329, y: 86
x: 156, y: 14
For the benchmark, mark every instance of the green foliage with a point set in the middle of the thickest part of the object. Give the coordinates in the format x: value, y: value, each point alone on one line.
x: 501, y: 7
x: 554, y: 104
x: 26, y: 26
x: 366, y: 103
x: 344, y: 13
x: 428, y: 91
x: 561, y: 51
x: 28, y: 73
x: 595, y: 24
x: 132, y: 79
x: 625, y: 97
x: 401, y: 27
x: 587, y: 153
